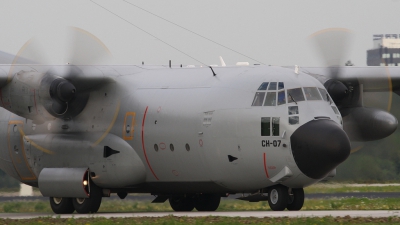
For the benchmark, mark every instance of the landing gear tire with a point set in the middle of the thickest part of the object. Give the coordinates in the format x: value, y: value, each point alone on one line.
x: 91, y: 204
x: 181, y: 204
x: 278, y: 197
x: 296, y: 199
x: 61, y: 205
x: 207, y: 202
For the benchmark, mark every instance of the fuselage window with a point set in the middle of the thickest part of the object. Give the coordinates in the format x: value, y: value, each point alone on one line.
x: 312, y: 93
x: 335, y: 110
x: 270, y: 100
x: 281, y: 97
x: 265, y: 126
x: 293, y: 110
x: 281, y: 86
x: 272, y: 86
x: 275, y: 126
x: 263, y: 86
x: 258, y: 99
x: 295, y: 95
x: 293, y: 120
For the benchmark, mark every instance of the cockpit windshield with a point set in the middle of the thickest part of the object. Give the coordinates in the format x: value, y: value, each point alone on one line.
x: 275, y: 94
x: 295, y: 95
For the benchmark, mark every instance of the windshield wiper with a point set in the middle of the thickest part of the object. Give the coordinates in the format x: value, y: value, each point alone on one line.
x: 292, y: 98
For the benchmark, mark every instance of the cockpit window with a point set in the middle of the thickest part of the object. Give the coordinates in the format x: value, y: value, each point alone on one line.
x: 270, y: 100
x: 281, y: 97
x: 312, y: 93
x: 263, y: 86
x: 335, y: 110
x: 295, y: 95
x: 272, y: 86
x: 324, y: 94
x: 293, y: 110
x: 258, y: 99
x: 281, y: 86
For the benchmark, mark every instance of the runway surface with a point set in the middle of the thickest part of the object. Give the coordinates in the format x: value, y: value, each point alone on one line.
x: 307, y: 196
x: 258, y: 214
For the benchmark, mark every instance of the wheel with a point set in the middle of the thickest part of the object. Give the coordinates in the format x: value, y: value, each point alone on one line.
x: 278, y: 197
x: 91, y: 204
x: 296, y: 199
x: 207, y: 202
x: 61, y: 205
x: 181, y: 204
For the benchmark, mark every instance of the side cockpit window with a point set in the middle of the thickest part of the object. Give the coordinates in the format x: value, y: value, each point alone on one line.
x: 312, y: 93
x: 295, y: 95
x: 324, y: 94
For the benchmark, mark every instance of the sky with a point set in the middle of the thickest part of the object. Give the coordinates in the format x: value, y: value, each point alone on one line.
x: 271, y: 32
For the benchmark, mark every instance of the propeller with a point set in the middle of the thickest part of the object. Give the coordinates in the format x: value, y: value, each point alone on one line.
x: 64, y: 90
x: 332, y: 45
x: 360, y: 123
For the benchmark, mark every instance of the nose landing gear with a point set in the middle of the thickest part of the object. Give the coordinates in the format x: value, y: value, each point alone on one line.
x: 281, y: 198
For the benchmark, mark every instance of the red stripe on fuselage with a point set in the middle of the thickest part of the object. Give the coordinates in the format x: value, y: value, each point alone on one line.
x: 144, y: 149
x: 265, y: 166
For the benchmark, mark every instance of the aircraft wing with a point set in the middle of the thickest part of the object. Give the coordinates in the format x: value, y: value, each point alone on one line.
x: 373, y: 78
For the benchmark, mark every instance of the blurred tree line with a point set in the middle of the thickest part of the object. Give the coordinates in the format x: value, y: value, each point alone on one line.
x: 376, y: 161
x: 7, y: 182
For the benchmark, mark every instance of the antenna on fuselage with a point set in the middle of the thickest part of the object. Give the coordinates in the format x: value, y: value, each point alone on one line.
x: 296, y: 69
x: 213, y: 71
x: 222, y: 61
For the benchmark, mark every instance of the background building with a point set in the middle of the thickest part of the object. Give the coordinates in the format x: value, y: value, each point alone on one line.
x: 386, y: 50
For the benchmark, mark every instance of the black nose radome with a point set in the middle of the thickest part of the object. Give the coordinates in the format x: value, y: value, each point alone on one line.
x: 319, y: 146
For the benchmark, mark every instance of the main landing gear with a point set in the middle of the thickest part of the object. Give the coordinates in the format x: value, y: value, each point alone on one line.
x: 202, y: 202
x: 81, y: 205
x: 281, y: 198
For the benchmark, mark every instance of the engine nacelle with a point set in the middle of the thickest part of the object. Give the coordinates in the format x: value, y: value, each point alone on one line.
x: 40, y: 97
x: 64, y: 182
x: 368, y: 124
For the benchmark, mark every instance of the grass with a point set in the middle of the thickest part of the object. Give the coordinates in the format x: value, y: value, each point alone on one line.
x: 172, y: 220
x: 344, y: 188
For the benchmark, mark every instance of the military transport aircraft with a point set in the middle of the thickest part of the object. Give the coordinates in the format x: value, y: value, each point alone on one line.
x: 190, y: 135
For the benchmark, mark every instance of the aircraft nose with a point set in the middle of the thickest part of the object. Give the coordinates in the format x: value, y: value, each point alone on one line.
x: 318, y: 147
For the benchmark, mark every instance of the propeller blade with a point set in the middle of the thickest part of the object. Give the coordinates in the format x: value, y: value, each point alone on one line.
x: 86, y: 49
x: 332, y: 45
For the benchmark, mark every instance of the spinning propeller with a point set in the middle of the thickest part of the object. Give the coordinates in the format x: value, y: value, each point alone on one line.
x: 360, y: 123
x: 64, y: 90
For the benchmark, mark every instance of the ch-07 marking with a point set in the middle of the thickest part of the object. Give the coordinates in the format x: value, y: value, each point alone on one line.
x: 274, y: 143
